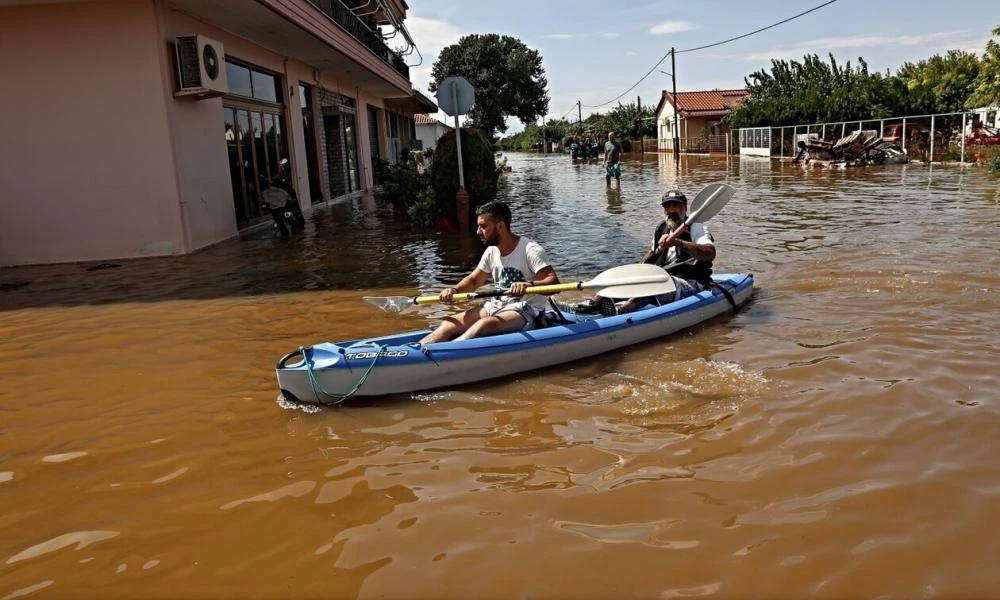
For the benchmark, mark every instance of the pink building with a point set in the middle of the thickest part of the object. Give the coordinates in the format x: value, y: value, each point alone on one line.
x: 144, y: 127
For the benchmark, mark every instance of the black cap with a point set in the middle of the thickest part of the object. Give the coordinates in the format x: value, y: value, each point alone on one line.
x: 673, y: 196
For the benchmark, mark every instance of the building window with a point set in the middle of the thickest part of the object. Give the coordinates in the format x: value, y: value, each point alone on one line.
x: 238, y: 77
x: 305, y: 96
x: 250, y: 82
x: 265, y: 86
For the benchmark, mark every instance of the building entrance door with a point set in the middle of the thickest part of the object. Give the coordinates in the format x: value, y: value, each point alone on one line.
x: 258, y: 150
x: 338, y: 135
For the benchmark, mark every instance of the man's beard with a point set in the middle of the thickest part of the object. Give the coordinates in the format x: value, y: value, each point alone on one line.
x: 673, y: 223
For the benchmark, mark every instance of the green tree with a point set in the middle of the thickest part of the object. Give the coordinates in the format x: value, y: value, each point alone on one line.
x: 812, y: 91
x: 527, y: 139
x: 507, y: 75
x: 532, y: 135
x: 556, y: 130
x: 940, y: 83
x: 987, y: 87
x: 630, y: 121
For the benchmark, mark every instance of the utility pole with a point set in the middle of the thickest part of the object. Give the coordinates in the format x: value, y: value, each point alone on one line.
x: 579, y: 116
x: 673, y: 76
x: 638, y: 124
x: 544, y: 141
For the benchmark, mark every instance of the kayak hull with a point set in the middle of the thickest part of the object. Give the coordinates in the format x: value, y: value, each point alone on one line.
x: 399, y: 364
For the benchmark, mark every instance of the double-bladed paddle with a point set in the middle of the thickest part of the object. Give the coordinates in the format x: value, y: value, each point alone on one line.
x: 626, y: 281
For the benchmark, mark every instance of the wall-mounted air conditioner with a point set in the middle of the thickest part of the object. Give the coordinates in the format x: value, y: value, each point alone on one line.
x: 201, y: 68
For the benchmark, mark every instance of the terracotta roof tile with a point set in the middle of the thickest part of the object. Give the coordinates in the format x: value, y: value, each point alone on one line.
x: 419, y: 119
x: 702, y: 102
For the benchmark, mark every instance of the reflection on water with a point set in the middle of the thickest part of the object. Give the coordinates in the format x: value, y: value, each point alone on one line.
x: 820, y: 441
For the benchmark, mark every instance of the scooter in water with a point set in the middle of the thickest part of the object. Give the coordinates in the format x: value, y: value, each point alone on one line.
x: 288, y: 216
x: 279, y: 199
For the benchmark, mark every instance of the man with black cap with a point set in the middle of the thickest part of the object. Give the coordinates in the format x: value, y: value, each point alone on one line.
x: 688, y: 259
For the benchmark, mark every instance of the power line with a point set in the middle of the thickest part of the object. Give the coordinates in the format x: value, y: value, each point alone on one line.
x: 634, y: 86
x: 568, y: 111
x: 739, y: 37
x: 733, y: 39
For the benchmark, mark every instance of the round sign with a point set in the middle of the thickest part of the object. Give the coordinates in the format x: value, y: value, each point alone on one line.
x: 455, y: 96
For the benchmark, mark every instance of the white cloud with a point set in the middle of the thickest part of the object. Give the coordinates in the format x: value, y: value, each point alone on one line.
x: 431, y: 35
x: 668, y: 27
x: 560, y: 36
x: 938, y: 40
x: 606, y: 34
x: 421, y: 76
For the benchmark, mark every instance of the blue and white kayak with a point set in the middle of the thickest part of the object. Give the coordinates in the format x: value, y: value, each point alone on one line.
x: 328, y: 373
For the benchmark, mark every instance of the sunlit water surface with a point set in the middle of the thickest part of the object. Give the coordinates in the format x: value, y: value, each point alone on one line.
x: 836, y: 438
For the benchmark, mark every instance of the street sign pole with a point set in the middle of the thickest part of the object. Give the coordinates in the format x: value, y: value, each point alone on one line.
x: 456, y: 96
x: 458, y: 138
x: 461, y: 196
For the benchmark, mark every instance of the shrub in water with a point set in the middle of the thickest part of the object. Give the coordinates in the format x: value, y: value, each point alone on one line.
x: 992, y: 161
x: 480, y: 175
x: 402, y: 183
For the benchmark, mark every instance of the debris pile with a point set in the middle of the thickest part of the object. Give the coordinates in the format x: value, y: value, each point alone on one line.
x: 861, y: 147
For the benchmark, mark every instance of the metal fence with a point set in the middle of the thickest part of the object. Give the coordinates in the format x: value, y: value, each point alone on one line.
x: 705, y: 144
x: 930, y: 138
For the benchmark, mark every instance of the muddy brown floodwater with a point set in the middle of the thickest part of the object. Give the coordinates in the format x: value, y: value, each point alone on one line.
x: 836, y: 438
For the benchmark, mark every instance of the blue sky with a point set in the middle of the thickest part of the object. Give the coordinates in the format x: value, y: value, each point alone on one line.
x: 594, y: 50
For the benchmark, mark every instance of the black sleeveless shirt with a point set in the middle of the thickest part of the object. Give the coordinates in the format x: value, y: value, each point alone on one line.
x: 700, y: 271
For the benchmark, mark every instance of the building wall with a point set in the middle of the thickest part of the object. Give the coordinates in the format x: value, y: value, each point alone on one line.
x: 665, y: 134
x: 430, y: 134
x: 690, y: 131
x: 694, y: 127
x: 86, y: 166
x: 103, y: 161
x: 196, y: 128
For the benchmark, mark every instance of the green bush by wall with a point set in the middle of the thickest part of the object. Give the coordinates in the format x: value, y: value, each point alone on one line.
x: 480, y: 174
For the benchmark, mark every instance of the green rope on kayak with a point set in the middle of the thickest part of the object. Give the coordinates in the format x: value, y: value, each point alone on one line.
x: 337, y: 398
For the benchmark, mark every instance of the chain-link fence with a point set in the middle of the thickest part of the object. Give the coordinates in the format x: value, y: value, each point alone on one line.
x: 944, y: 137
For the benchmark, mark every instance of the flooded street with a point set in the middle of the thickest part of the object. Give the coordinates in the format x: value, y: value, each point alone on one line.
x: 837, y: 437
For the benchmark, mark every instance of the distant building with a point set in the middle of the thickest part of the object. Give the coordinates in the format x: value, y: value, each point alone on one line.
x: 430, y: 130
x: 146, y: 128
x: 699, y: 116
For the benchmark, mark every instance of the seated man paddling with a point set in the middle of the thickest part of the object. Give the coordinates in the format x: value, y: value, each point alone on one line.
x: 688, y: 259
x: 514, y: 263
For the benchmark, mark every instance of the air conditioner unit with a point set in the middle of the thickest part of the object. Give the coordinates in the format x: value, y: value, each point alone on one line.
x: 201, y: 68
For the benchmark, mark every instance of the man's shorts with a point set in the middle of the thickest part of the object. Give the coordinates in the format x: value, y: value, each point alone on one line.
x: 528, y: 311
x: 614, y: 170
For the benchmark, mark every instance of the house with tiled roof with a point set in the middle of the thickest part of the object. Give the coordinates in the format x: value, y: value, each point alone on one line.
x: 429, y: 130
x: 699, y: 119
